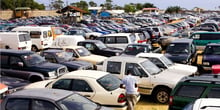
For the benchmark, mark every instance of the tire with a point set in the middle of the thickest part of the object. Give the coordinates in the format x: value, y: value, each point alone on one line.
x: 35, y: 79
x: 34, y: 48
x: 161, y: 95
x: 92, y: 37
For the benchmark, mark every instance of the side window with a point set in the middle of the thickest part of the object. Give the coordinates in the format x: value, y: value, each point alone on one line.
x: 35, y: 34
x: 62, y: 84
x: 135, y: 69
x: 13, y: 61
x: 71, y: 51
x: 89, y: 46
x: 114, y: 67
x: 101, y: 39
x: 81, y: 86
x: 18, y: 104
x: 189, y: 91
x: 110, y: 40
x: 214, y: 93
x: 45, y: 34
x: 122, y: 39
x: 4, y: 60
x: 43, y: 105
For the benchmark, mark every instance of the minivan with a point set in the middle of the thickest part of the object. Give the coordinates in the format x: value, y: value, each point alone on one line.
x: 118, y: 40
x: 41, y: 36
x: 15, y: 40
x: 201, y: 39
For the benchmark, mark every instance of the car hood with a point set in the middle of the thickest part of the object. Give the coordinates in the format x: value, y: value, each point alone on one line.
x: 183, y: 69
x: 169, y: 78
x: 92, y: 58
x: 213, y: 59
x: 177, y: 57
x: 39, y: 84
x: 46, y: 66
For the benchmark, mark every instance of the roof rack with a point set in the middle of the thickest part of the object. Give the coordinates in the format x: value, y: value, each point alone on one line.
x: 207, y: 78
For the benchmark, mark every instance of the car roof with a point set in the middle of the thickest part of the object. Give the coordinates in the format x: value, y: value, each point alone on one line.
x: 126, y: 58
x: 213, y: 44
x: 85, y: 73
x: 53, y: 50
x: 157, y: 55
x: 207, y: 102
x: 182, y: 40
x: 138, y: 44
x: 118, y: 34
x: 93, y: 41
x: 206, y: 78
x: 17, y: 52
x: 39, y: 93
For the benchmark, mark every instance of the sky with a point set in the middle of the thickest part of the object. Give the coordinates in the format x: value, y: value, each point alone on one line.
x: 161, y: 4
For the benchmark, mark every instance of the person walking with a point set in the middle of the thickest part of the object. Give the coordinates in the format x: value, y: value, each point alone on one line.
x: 129, y: 83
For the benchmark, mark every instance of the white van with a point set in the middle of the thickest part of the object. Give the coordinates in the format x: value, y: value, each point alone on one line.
x: 67, y: 40
x: 15, y: 40
x: 41, y: 36
x: 118, y: 40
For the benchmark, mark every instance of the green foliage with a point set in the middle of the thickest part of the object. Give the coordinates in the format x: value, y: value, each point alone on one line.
x: 148, y: 5
x: 92, y: 4
x: 12, y: 4
x: 82, y: 5
x: 129, y: 8
x: 173, y: 9
x: 108, y: 4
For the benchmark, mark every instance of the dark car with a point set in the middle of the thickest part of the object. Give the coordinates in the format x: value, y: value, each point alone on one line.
x: 99, y: 48
x: 48, y: 99
x: 136, y: 48
x: 28, y: 65
x: 181, y: 51
x: 65, y: 58
x: 191, y: 88
x: 210, y: 56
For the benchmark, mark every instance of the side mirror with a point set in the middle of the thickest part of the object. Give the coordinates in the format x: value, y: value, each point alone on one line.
x: 20, y: 64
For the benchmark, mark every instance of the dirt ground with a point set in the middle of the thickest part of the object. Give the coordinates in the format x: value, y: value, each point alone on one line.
x: 146, y: 103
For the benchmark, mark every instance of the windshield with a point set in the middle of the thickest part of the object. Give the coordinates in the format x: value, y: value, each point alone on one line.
x: 212, y: 50
x: 109, y: 82
x: 64, y: 56
x: 150, y: 67
x: 33, y: 59
x: 100, y: 45
x: 167, y: 61
x: 135, y: 49
x: 83, y: 52
x: 77, y: 102
x: 178, y: 48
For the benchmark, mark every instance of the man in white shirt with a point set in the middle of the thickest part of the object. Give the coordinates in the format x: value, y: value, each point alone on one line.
x: 130, y: 84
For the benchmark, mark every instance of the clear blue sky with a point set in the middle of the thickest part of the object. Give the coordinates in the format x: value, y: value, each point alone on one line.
x: 162, y: 4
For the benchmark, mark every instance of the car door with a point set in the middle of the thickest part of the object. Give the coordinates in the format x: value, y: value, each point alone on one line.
x: 144, y: 81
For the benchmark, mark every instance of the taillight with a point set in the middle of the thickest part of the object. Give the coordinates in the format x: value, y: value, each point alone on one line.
x: 121, y: 98
x: 42, y: 42
x: 171, y: 100
x: 19, y: 48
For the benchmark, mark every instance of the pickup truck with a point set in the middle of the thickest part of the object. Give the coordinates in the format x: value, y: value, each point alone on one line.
x: 151, y: 79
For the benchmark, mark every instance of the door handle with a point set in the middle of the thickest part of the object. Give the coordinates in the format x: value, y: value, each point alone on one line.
x: 87, y: 95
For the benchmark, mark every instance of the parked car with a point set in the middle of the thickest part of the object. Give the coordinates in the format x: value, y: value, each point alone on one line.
x: 210, y: 56
x: 101, y: 87
x: 181, y: 51
x: 165, y: 63
x: 28, y: 65
x: 216, y: 69
x: 204, y: 104
x: 48, y: 99
x: 191, y: 88
x: 65, y: 58
x: 151, y: 79
x: 99, y: 48
x: 3, y: 90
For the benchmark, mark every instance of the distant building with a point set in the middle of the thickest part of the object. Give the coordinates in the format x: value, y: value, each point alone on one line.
x: 151, y: 10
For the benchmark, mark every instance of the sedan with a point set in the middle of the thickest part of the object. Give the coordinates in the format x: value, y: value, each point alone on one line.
x: 101, y: 87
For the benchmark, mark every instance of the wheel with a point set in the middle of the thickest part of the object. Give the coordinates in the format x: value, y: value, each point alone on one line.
x: 161, y: 95
x: 34, y: 48
x: 92, y: 37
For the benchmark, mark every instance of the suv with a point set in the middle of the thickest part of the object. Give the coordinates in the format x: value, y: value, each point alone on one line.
x: 181, y: 51
x: 191, y: 88
x: 28, y: 65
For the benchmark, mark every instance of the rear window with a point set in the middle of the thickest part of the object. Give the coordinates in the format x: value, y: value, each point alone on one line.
x: 214, y: 93
x: 189, y: 91
x: 24, y: 37
x: 122, y: 39
x: 109, y: 82
x: 206, y: 36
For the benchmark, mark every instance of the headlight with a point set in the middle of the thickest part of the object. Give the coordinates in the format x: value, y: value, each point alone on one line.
x: 205, y: 63
x: 184, y: 62
x: 52, y: 73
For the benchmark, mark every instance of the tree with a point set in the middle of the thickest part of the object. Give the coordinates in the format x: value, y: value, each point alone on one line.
x: 57, y: 4
x: 108, y: 4
x: 173, y: 9
x: 12, y: 4
x: 129, y: 8
x: 139, y: 6
x: 92, y: 4
x: 82, y: 4
x: 148, y: 5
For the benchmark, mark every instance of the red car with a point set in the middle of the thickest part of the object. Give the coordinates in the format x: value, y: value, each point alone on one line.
x: 216, y: 69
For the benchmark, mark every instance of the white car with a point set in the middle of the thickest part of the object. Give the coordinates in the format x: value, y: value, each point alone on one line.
x: 204, y: 104
x: 101, y: 87
x: 163, y: 62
